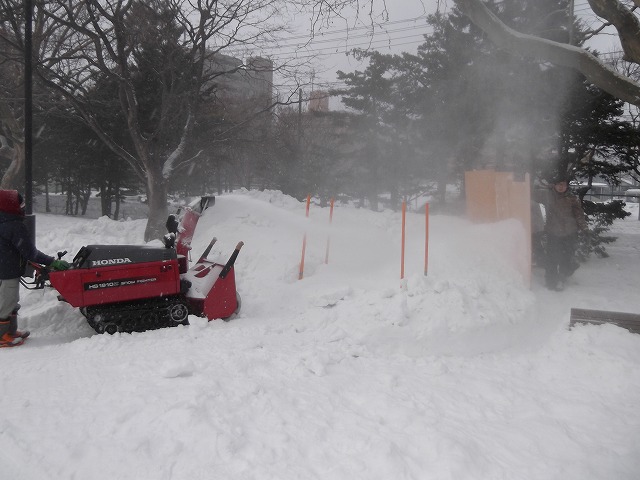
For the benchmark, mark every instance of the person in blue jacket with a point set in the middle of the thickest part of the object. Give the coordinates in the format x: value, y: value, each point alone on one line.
x: 16, y: 249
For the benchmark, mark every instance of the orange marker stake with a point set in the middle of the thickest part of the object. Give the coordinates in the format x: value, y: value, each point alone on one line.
x: 404, y: 215
x: 326, y: 255
x: 304, y: 243
x: 426, y: 238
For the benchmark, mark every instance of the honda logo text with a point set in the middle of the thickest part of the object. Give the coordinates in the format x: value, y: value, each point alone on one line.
x: 110, y: 261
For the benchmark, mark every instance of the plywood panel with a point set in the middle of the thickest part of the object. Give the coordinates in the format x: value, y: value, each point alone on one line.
x: 493, y: 196
x: 480, y: 190
x: 520, y: 208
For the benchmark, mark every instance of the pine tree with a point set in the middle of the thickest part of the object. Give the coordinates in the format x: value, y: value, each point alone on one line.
x: 383, y: 124
x: 477, y: 106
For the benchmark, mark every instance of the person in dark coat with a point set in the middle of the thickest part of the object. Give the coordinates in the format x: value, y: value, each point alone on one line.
x: 16, y: 249
x: 565, y: 219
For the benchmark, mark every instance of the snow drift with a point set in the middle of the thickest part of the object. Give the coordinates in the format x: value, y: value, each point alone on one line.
x: 347, y: 374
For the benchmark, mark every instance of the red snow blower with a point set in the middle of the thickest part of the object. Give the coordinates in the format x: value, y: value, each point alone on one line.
x: 127, y: 288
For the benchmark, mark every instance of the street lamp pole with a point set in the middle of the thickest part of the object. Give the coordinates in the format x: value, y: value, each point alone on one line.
x: 28, y: 107
x: 29, y: 218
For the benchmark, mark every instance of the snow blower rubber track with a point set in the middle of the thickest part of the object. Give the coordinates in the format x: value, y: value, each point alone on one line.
x: 137, y: 316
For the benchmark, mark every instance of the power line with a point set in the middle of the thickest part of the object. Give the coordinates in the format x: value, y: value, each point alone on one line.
x: 339, y: 45
x: 347, y: 38
x: 316, y: 85
x: 340, y: 48
x: 351, y: 29
x: 330, y: 50
x: 340, y: 42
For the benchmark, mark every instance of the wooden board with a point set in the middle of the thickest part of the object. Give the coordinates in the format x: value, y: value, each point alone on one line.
x: 630, y: 321
x: 480, y: 193
x: 494, y: 196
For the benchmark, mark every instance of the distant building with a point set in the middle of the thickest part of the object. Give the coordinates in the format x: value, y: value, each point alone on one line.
x: 259, y: 77
x: 234, y: 80
x: 319, y: 101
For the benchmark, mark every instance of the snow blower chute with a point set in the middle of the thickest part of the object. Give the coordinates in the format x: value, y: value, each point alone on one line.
x: 127, y: 288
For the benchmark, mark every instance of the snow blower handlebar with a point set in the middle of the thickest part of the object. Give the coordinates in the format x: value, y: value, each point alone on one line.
x: 40, y: 274
x: 231, y: 261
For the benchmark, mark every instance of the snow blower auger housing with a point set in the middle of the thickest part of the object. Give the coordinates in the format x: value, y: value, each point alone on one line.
x: 127, y: 288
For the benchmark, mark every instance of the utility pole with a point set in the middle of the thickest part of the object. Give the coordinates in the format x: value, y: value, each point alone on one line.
x: 28, y: 107
x: 29, y: 219
x: 299, y: 118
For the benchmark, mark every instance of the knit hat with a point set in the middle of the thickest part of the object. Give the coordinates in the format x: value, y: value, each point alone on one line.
x: 11, y: 202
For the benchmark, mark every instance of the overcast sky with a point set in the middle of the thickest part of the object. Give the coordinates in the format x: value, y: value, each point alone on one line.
x: 400, y: 28
x: 393, y: 27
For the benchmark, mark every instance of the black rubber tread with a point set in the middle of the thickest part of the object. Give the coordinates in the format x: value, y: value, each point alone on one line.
x: 138, y: 316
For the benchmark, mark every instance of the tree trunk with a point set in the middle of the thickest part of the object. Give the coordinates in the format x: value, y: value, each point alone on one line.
x: 69, y: 204
x: 85, y: 199
x: 373, y: 197
x: 442, y: 178
x: 157, y: 201
x: 394, y: 198
x: 105, y: 198
x: 115, y: 194
x: 13, y: 178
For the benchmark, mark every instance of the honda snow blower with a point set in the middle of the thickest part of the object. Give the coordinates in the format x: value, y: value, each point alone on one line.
x: 132, y: 288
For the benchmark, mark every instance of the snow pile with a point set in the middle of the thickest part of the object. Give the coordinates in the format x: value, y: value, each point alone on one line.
x: 349, y: 373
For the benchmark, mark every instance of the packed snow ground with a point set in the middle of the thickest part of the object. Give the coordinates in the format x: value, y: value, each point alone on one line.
x: 348, y: 374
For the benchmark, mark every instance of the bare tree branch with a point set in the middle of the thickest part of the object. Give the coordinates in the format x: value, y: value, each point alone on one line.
x: 625, y: 22
x: 548, y: 51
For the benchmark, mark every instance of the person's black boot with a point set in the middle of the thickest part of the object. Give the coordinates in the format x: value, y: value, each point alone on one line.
x: 6, y: 339
x: 13, y: 327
